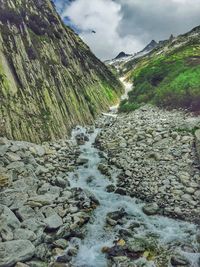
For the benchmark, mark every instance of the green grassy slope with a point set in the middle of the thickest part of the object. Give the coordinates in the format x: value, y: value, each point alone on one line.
x: 169, y: 76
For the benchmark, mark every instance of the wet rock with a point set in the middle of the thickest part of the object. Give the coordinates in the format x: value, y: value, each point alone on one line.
x: 120, y: 191
x: 111, y: 222
x: 117, y: 215
x: 82, y: 161
x: 110, y: 188
x: 178, y: 260
x: 136, y: 245
x: 12, y: 252
x: 64, y: 258
x: 150, y: 209
x: 81, y: 139
x: 103, y: 169
x: 61, y: 182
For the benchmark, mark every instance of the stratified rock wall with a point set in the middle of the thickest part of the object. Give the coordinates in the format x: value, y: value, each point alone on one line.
x: 49, y: 79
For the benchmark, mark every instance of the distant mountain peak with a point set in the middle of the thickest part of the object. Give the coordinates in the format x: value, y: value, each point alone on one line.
x: 121, y: 55
x: 150, y: 46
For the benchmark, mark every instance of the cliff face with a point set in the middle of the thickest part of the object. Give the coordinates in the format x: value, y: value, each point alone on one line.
x: 49, y: 79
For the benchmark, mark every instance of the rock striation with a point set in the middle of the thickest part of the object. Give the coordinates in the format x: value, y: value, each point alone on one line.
x: 49, y: 79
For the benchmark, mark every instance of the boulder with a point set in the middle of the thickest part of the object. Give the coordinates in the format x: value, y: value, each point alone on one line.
x: 24, y: 234
x: 13, y: 157
x: 12, y: 252
x: 3, y: 150
x: 150, y: 209
x: 25, y: 213
x: 8, y: 218
x: 53, y: 222
x: 179, y: 260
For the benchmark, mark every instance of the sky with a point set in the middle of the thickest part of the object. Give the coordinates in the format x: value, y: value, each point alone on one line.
x: 112, y: 26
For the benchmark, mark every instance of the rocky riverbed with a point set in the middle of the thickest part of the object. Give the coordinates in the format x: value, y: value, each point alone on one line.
x: 39, y: 211
x: 96, y: 200
x: 157, y: 153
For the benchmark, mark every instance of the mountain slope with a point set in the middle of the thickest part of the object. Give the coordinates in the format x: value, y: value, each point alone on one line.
x: 122, y: 58
x: 169, y: 76
x: 49, y: 79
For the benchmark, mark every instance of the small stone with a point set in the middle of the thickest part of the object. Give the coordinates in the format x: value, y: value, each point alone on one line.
x: 110, y: 188
x: 61, y: 243
x: 61, y: 182
x: 128, y: 173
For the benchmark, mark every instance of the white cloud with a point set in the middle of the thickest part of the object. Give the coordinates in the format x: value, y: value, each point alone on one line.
x: 128, y: 25
x: 104, y: 17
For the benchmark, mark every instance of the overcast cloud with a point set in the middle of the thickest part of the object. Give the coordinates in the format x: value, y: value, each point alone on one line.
x: 128, y: 25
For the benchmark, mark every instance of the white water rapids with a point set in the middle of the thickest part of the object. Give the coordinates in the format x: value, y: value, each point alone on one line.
x: 171, y: 233
x: 127, y: 88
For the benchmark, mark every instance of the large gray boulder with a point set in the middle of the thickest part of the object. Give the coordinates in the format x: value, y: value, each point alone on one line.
x: 53, y: 222
x: 12, y: 252
x: 8, y: 218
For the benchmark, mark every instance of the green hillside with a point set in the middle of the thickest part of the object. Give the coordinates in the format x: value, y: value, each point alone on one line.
x: 169, y: 76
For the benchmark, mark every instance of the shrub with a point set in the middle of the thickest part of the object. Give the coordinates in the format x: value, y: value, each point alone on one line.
x: 126, y: 106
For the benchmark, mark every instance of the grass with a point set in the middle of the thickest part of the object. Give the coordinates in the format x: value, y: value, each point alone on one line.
x: 170, y: 80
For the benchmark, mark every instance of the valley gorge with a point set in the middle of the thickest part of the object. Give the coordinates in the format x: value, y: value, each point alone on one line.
x: 83, y: 184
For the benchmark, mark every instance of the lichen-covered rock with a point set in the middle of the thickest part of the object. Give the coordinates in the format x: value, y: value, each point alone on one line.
x: 49, y: 79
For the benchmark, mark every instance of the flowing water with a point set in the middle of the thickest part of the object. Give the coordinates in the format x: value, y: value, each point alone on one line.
x: 169, y: 232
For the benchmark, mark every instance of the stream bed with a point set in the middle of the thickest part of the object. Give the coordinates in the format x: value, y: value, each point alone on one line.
x: 169, y: 236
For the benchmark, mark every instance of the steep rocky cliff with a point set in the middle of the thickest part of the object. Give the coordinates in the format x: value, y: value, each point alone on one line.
x: 49, y: 79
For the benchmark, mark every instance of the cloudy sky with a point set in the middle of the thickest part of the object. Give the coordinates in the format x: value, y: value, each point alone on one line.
x: 112, y: 26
